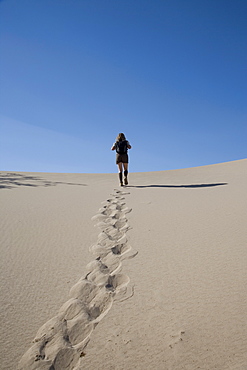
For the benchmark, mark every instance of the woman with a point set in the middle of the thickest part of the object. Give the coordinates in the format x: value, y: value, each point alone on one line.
x: 121, y: 146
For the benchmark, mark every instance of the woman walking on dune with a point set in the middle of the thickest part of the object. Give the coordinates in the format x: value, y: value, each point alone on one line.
x: 121, y: 146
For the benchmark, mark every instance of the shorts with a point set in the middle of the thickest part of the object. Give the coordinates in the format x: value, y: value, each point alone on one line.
x: 122, y: 158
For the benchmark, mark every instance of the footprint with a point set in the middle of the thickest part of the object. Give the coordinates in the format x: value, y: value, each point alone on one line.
x: 177, y: 338
x: 61, y: 341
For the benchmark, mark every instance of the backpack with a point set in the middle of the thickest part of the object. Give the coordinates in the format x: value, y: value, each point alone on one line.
x: 121, y: 147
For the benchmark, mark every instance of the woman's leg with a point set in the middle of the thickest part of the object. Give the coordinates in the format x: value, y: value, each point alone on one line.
x: 120, y: 173
x: 125, y: 173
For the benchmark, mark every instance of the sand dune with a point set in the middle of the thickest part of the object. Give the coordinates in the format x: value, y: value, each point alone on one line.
x: 151, y: 276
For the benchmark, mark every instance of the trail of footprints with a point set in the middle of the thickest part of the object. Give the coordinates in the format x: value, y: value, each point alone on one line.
x: 60, y: 342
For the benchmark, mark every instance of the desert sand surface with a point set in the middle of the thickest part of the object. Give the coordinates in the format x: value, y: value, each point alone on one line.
x: 148, y: 276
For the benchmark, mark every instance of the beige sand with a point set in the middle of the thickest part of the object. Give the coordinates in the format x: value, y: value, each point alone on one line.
x: 159, y: 283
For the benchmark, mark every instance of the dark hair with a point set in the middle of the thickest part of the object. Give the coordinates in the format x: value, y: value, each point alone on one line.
x: 120, y: 137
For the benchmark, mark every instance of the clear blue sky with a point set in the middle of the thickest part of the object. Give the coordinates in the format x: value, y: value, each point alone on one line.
x: 170, y: 74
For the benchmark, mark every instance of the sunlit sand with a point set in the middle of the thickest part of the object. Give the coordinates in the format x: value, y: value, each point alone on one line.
x: 148, y: 276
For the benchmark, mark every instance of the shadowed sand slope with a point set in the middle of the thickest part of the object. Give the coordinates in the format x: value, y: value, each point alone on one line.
x: 72, y: 287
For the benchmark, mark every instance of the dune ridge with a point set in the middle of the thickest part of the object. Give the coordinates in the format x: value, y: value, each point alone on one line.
x: 60, y: 342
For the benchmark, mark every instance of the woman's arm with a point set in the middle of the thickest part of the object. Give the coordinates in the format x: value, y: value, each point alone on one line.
x: 113, y: 147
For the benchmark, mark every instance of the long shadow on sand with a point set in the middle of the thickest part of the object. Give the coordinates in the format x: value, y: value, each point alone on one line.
x: 13, y: 180
x: 192, y: 186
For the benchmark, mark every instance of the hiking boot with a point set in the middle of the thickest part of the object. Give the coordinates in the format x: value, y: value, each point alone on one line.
x: 120, y: 178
